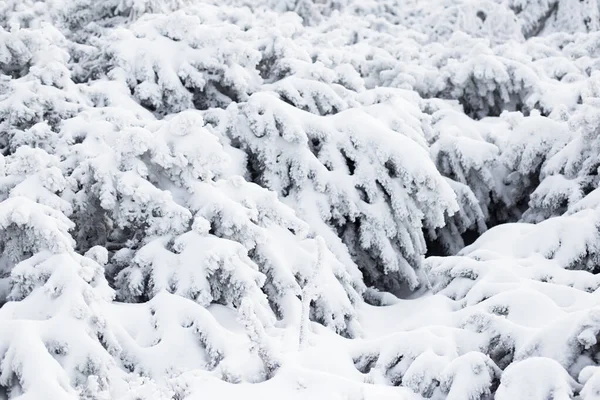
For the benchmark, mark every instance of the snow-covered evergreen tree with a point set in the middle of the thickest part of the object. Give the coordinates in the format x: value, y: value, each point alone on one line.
x: 299, y: 198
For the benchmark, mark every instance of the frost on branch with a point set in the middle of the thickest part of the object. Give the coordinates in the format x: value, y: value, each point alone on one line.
x: 469, y: 159
x: 569, y: 181
x: 524, y: 293
x: 461, y: 226
x: 351, y: 178
x: 245, y: 213
x: 46, y: 287
x: 165, y: 197
x: 209, y: 64
x: 28, y: 227
x: 539, y: 17
x: 185, y: 266
x: 48, y: 293
x: 37, y: 85
x: 107, y: 346
x: 112, y: 200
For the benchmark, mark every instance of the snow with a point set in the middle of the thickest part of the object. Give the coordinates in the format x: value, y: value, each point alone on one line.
x: 328, y: 199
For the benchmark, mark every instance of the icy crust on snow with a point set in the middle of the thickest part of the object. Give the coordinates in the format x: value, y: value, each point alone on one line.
x: 201, y: 199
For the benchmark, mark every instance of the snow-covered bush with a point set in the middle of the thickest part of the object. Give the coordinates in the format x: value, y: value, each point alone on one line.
x: 180, y: 60
x: 197, y: 197
x: 344, y: 180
